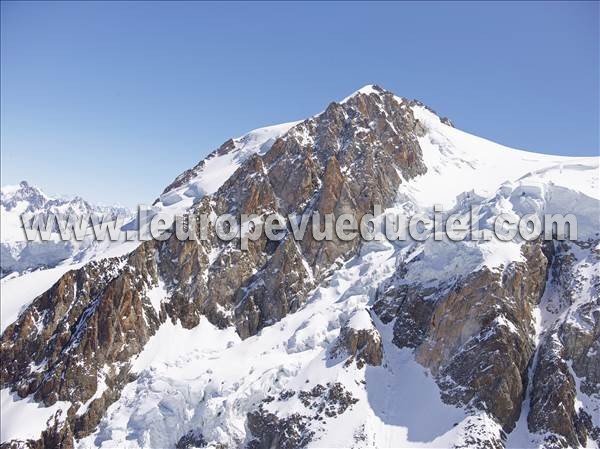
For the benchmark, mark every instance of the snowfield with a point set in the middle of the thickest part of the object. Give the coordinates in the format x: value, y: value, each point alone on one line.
x: 24, y: 418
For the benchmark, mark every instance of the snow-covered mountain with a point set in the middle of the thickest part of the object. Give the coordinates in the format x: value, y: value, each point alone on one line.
x: 434, y: 343
x: 18, y: 254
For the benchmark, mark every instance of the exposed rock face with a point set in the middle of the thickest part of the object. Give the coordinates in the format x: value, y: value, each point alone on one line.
x: 554, y: 385
x: 70, y: 322
x: 273, y: 432
x: 568, y: 362
x: 460, y: 332
x: 94, y: 320
x: 69, y: 338
x: 477, y: 337
x: 363, y: 345
x: 490, y: 314
x: 190, y: 440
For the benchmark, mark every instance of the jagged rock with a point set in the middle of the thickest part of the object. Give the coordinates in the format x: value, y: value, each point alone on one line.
x: 345, y: 160
x: 362, y: 345
x: 271, y: 432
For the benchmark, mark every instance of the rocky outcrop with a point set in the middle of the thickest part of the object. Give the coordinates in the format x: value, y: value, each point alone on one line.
x: 298, y: 429
x: 553, y: 399
x: 359, y: 341
x: 362, y: 345
x: 192, y: 439
x: 271, y: 432
x: 477, y: 335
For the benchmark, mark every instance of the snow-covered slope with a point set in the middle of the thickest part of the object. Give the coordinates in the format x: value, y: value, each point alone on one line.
x: 458, y: 162
x: 391, y: 346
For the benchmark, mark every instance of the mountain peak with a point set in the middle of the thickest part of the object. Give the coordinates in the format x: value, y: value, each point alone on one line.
x: 365, y: 90
x: 22, y: 191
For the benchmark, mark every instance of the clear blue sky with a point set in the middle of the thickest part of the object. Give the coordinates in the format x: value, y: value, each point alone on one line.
x: 112, y: 100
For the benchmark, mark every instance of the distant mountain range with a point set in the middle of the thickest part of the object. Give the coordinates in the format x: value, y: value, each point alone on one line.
x: 17, y: 254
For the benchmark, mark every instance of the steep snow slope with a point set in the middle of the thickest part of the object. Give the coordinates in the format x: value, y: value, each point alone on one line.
x: 459, y: 162
x: 212, y: 379
x: 15, y: 409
